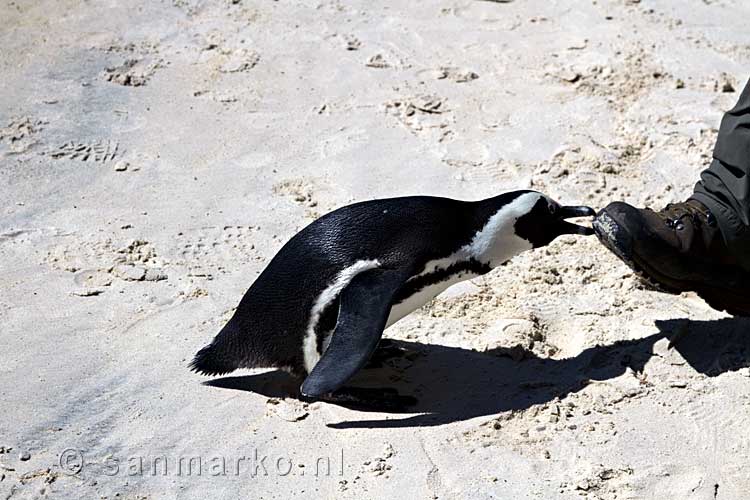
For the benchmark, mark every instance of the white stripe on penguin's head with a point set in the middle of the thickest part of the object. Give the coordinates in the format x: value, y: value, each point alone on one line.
x: 497, y: 241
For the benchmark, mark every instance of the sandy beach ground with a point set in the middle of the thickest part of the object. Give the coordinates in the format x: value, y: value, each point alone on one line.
x: 154, y: 155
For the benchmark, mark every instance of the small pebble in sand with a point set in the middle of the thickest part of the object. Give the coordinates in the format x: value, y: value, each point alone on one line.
x: 377, y: 61
x: 465, y: 76
x: 154, y: 274
x: 24, y: 456
x: 88, y: 292
x: 583, y: 485
x: 570, y: 76
x: 121, y: 166
x: 129, y: 272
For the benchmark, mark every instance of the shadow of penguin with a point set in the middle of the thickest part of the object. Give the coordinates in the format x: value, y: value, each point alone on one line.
x: 453, y: 384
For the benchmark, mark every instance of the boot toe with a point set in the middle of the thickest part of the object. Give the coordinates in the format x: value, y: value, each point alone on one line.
x: 623, y: 229
x: 667, y: 250
x: 615, y: 226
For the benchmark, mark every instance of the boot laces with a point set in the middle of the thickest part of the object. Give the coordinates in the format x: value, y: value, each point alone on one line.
x: 676, y: 212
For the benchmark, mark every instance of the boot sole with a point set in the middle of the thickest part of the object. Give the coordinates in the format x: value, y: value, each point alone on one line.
x: 620, y: 242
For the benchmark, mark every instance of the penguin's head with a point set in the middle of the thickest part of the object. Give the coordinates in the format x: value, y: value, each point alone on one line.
x: 546, y: 220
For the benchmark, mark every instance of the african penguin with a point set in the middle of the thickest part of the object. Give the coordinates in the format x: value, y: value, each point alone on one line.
x: 319, y: 308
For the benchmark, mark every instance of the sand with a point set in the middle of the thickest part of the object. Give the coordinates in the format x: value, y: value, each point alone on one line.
x: 155, y: 155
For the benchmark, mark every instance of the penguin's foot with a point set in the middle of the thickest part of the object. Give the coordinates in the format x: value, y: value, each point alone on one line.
x: 371, y: 399
x: 386, y: 351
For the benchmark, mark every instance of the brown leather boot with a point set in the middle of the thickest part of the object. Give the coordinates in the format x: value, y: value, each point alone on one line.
x: 675, y: 250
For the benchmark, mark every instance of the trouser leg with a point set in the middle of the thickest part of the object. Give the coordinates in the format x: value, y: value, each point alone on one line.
x: 725, y: 186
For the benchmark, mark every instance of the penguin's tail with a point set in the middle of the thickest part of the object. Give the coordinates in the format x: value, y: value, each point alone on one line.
x: 221, y: 355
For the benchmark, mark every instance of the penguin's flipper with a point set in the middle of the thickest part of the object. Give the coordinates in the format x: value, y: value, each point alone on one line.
x: 363, y: 312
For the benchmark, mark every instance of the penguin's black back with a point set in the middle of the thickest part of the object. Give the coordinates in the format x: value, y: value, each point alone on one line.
x: 270, y: 322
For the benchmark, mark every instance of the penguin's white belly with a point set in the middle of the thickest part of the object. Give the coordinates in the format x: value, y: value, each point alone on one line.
x: 398, y: 311
x: 423, y: 296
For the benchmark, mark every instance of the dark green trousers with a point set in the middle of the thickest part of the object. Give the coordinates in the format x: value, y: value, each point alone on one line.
x: 725, y: 186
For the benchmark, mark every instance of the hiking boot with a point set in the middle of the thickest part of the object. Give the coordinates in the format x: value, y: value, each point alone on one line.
x: 678, y: 249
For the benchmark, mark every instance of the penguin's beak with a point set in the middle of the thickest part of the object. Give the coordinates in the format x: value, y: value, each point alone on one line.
x: 571, y: 212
